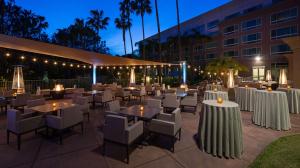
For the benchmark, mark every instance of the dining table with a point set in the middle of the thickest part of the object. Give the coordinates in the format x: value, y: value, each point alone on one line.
x: 213, y: 95
x: 220, y: 129
x: 142, y: 112
x: 52, y: 107
x: 213, y: 86
x: 293, y: 96
x: 93, y: 93
x: 244, y: 96
x: 271, y: 110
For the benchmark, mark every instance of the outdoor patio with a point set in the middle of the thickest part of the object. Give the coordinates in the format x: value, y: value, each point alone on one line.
x: 85, y: 150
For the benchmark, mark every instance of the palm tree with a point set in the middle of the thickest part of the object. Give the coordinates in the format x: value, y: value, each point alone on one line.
x: 179, y: 34
x: 142, y: 7
x: 2, y: 13
x: 159, y: 39
x: 121, y: 24
x: 98, y: 22
x: 126, y: 10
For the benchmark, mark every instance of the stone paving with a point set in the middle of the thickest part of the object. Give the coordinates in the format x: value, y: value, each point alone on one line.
x: 85, y: 150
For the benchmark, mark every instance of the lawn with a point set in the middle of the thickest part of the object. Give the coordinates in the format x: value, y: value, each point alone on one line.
x: 282, y: 153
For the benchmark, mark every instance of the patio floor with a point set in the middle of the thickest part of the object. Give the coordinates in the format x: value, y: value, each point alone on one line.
x: 84, y: 150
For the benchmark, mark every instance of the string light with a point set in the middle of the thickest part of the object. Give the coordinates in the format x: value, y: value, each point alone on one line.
x: 121, y: 67
x: 71, y: 65
x: 34, y: 59
x: 114, y: 67
x: 141, y: 67
x: 55, y: 63
x: 127, y: 67
x: 107, y: 67
x: 78, y: 66
x: 169, y: 65
x: 46, y: 61
x: 7, y: 54
x: 189, y: 66
x: 195, y: 69
x: 222, y: 73
x: 63, y: 64
x: 90, y: 67
x: 22, y: 57
x: 154, y: 66
x: 84, y: 66
x: 201, y: 72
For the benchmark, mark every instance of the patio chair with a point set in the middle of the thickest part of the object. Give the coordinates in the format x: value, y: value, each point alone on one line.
x: 158, y: 95
x: 120, y: 92
x: 68, y: 118
x: 3, y: 104
x: 139, y: 93
x: 168, y: 125
x: 171, y: 101
x: 104, y: 98
x: 180, y: 90
x: 190, y: 101
x: 20, y: 101
x: 149, y: 90
x: 83, y: 103
x: 116, y: 130
x: 154, y: 103
x: 20, y: 124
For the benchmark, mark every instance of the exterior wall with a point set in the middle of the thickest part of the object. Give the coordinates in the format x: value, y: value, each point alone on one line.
x: 197, y: 55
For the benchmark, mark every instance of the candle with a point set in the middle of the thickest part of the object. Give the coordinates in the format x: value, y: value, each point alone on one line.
x: 269, y: 89
x: 246, y: 86
x: 142, y: 108
x: 219, y: 100
x: 215, y: 89
x: 54, y: 104
x: 288, y: 87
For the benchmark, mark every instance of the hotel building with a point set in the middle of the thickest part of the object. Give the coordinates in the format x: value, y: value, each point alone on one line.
x: 242, y: 29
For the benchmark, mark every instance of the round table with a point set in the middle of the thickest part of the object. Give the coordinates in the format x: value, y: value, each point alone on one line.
x: 244, y: 96
x: 212, y: 95
x: 293, y: 96
x: 271, y: 110
x: 220, y: 129
x: 213, y: 86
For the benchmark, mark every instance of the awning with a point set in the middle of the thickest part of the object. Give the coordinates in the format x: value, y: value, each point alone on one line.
x: 88, y: 57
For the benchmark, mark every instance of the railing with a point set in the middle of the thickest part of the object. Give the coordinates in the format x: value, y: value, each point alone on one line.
x: 31, y: 85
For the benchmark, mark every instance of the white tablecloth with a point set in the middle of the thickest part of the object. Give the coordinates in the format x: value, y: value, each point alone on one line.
x: 212, y: 95
x: 293, y: 96
x: 244, y: 96
x: 271, y: 110
x: 220, y: 129
x: 212, y: 87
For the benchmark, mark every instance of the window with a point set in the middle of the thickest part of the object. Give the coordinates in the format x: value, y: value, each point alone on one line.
x: 254, y: 8
x: 280, y: 49
x: 231, y: 42
x: 285, y: 15
x: 231, y: 54
x: 200, y: 28
x: 284, y: 32
x: 198, y: 48
x: 230, y: 29
x: 251, y: 52
x: 214, y: 33
x: 251, y: 24
x: 258, y: 73
x: 211, y: 45
x: 212, y: 24
x: 250, y: 38
x: 211, y: 56
x: 232, y: 15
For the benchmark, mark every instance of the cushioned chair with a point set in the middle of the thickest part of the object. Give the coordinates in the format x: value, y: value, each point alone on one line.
x: 68, y: 118
x: 190, y: 101
x: 154, y: 103
x: 139, y: 93
x: 171, y: 101
x: 3, y: 104
x: 20, y: 124
x: 149, y: 90
x: 120, y: 92
x: 83, y: 103
x: 158, y: 95
x: 20, y: 101
x: 168, y: 125
x: 180, y: 90
x: 104, y: 98
x: 116, y: 130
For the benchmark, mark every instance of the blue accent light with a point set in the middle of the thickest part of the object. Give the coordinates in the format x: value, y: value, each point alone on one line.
x: 184, y: 72
x: 94, y: 74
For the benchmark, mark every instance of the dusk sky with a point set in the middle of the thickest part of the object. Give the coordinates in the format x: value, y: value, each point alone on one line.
x: 61, y: 13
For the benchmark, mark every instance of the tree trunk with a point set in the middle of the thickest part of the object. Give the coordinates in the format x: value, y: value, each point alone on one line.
x: 130, y: 36
x: 144, y: 48
x: 124, y: 41
x: 179, y: 37
x: 159, y: 41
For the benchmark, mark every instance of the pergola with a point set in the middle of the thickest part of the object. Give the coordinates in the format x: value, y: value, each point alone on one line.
x: 92, y: 58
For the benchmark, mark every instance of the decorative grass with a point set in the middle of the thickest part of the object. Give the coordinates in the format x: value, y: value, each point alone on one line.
x: 282, y: 153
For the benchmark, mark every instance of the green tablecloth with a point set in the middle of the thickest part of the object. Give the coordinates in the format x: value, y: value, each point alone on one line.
x: 293, y: 96
x: 271, y: 110
x: 212, y: 87
x: 212, y: 95
x: 245, y: 97
x: 220, y: 129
